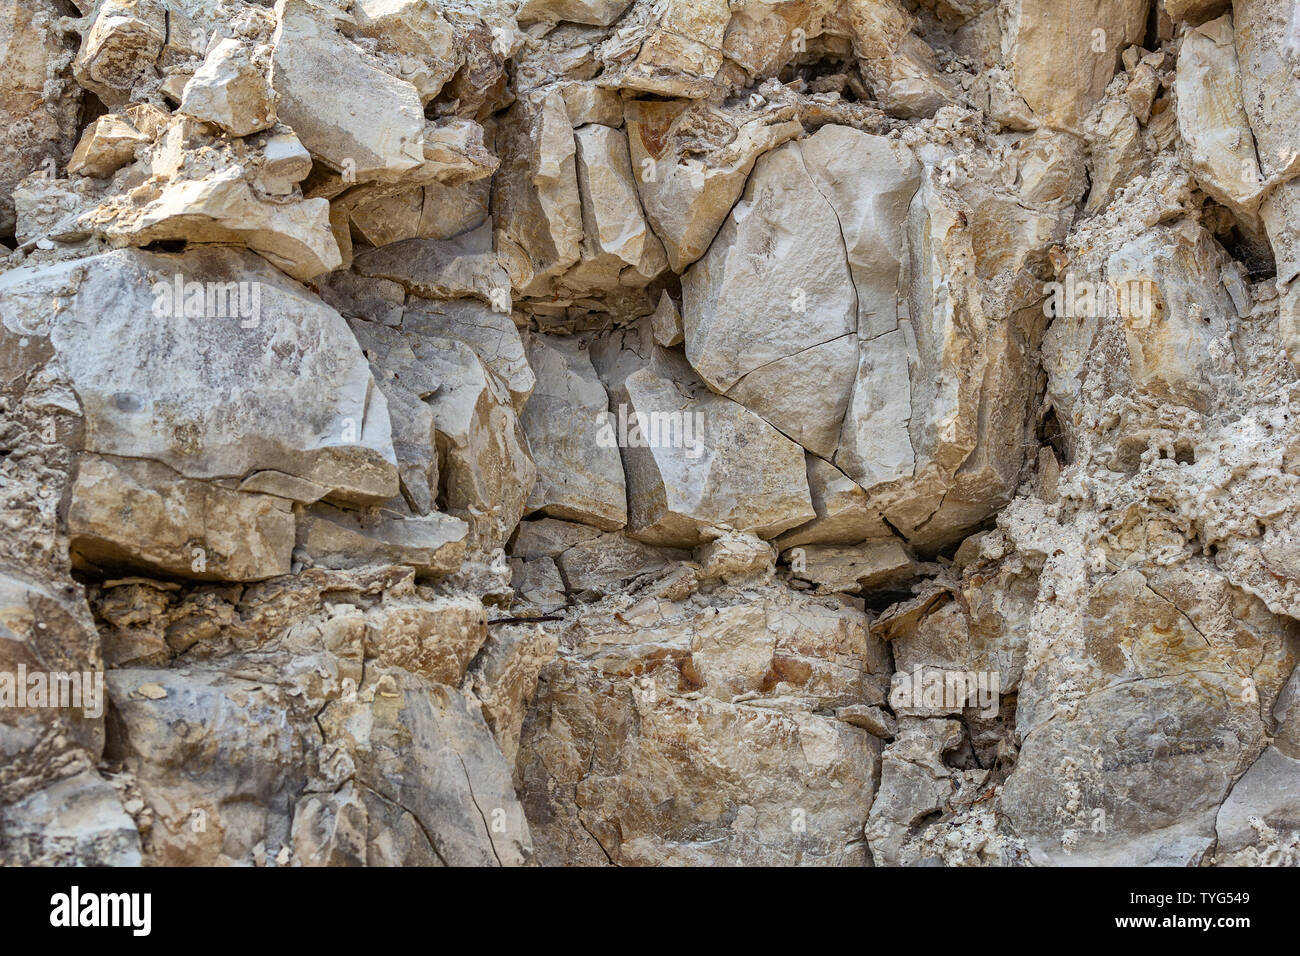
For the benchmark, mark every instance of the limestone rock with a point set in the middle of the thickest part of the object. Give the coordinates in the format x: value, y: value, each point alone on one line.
x: 348, y: 112
x: 139, y: 514
x: 603, y: 563
x: 536, y: 204
x: 432, y: 543
x: 538, y: 583
x: 650, y: 432
x: 683, y: 464
x: 1061, y: 89
x: 120, y: 46
x: 77, y: 821
x: 604, y: 780
x: 1211, y: 118
x: 1257, y: 825
x: 616, y: 236
x: 455, y: 268
x: 417, y: 31
x: 596, y: 12
x: 491, y: 334
x: 231, y: 89
x: 45, y: 630
x: 39, y: 103
x: 873, y: 566
x: 188, y: 778
x: 108, y: 145
x: 579, y: 477
x: 504, y: 678
x: 793, y: 299
x: 548, y: 538
x: 422, y: 747
x: 844, y: 514
x: 453, y: 410
x: 435, y: 639
x: 687, y: 198
x: 241, y: 371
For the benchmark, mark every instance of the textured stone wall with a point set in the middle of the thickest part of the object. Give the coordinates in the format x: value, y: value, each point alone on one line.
x: 585, y: 432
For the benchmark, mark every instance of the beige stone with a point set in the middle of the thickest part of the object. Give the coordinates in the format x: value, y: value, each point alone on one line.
x: 579, y: 478
x: 108, y: 145
x: 231, y: 89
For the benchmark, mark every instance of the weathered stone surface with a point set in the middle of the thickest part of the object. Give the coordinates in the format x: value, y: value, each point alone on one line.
x: 131, y: 513
x: 350, y: 114
x: 417, y: 31
x: 120, y: 44
x: 423, y: 748
x: 606, y: 783
x: 1211, y: 118
x: 616, y: 236
x: 38, y: 102
x: 764, y: 312
x: 538, y: 583
x: 821, y: 431
x: 686, y: 197
x: 681, y: 484
x: 434, y: 639
x: 48, y: 630
x: 205, y: 189
x: 77, y: 821
x: 773, y: 297
x: 240, y: 785
x: 455, y: 268
x: 491, y: 334
x: 108, y: 145
x: 873, y: 566
x: 1258, y: 824
x: 844, y: 514
x: 231, y: 89
x: 432, y: 543
x: 211, y: 394
x: 452, y: 410
x: 537, y: 209
x: 596, y: 12
x: 504, y: 679
x: 1061, y: 89
x: 602, y: 564
x: 548, y: 538
x: 579, y: 477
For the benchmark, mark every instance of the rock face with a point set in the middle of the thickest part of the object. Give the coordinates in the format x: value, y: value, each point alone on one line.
x: 649, y: 432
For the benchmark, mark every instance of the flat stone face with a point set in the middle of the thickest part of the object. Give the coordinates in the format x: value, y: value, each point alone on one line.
x: 741, y: 304
x: 1212, y: 118
x: 687, y: 200
x: 453, y: 749
x: 579, y: 477
x: 688, y: 473
x: 202, y: 393
x: 615, y: 747
x: 346, y: 111
x: 130, y: 513
x: 1061, y: 89
x: 231, y: 89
